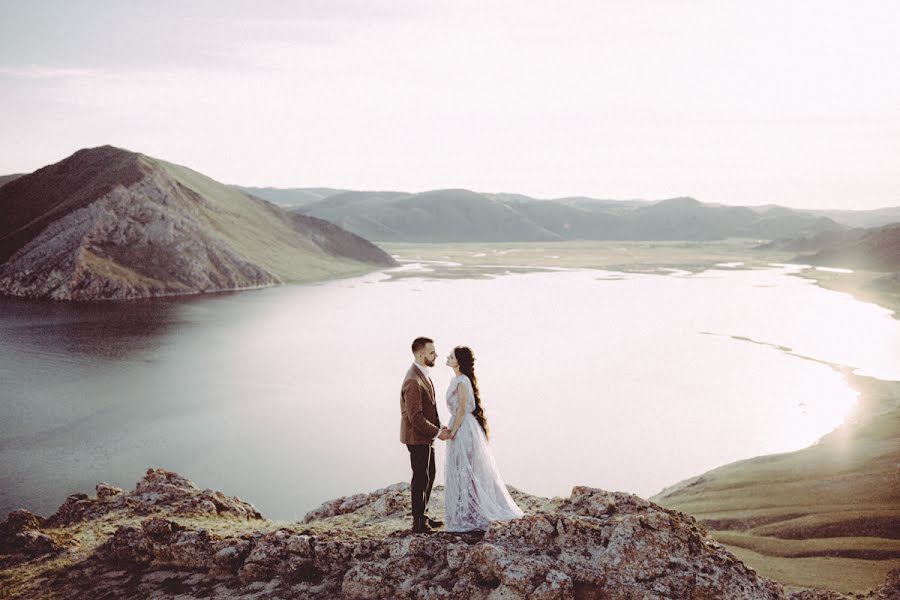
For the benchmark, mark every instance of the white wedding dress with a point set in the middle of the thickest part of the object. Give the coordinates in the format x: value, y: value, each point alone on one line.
x: 474, y: 492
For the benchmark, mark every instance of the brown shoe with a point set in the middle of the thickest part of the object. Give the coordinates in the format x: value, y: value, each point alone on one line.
x: 433, y: 522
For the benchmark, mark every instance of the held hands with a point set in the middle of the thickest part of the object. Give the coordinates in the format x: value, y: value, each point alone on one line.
x: 444, y: 434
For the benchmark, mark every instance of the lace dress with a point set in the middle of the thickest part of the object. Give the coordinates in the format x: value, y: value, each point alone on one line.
x: 474, y: 492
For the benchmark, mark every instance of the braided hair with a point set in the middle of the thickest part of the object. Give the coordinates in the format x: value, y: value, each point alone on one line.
x: 466, y: 361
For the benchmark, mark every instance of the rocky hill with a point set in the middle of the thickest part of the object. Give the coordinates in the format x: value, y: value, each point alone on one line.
x: 107, y: 223
x: 169, y: 539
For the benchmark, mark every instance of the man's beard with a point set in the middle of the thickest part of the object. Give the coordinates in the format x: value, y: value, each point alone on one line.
x: 429, y: 362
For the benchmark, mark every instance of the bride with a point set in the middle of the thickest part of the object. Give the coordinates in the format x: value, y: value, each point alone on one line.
x: 474, y: 492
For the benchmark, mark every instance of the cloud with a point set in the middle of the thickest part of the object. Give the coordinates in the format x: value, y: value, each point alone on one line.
x: 44, y: 72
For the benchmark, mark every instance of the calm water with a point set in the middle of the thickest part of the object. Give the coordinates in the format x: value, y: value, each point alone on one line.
x: 289, y: 396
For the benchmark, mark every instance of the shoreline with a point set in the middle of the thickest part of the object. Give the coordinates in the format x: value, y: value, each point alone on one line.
x: 820, y: 517
x: 192, y: 295
x: 857, y: 284
x: 476, y: 260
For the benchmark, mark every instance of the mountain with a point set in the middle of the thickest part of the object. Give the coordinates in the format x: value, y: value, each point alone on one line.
x: 876, y: 249
x: 289, y: 197
x: 861, y: 218
x: 458, y: 215
x: 851, y: 218
x: 598, y: 205
x: 168, y: 538
x: 435, y: 216
x: 779, y: 222
x: 107, y: 223
x: 687, y: 218
x: 576, y: 217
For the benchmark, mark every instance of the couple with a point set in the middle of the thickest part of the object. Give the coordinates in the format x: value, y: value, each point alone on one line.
x: 474, y: 493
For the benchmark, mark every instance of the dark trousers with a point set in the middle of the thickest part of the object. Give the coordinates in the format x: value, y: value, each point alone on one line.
x: 421, y: 458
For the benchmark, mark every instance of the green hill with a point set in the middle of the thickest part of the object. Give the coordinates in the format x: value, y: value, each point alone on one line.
x: 107, y: 223
x: 458, y: 215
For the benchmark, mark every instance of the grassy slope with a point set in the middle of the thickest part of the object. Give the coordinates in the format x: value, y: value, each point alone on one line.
x: 839, y: 498
x: 258, y: 230
x: 237, y: 239
x: 840, y: 574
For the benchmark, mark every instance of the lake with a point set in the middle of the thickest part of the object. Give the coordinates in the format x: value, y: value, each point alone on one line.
x: 289, y: 396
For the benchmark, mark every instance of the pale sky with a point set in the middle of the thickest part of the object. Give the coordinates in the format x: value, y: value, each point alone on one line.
x: 752, y: 102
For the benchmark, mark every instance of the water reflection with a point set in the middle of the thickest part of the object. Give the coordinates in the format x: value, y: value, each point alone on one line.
x: 100, y: 330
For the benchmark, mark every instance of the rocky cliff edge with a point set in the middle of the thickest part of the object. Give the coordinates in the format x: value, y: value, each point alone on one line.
x: 169, y: 539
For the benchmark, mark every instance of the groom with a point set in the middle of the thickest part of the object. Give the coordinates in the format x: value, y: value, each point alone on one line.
x: 419, y: 425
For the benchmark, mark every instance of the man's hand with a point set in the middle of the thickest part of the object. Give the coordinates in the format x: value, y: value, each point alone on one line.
x: 444, y: 434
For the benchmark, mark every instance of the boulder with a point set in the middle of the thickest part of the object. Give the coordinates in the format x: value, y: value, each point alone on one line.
x: 159, y: 492
x: 20, y: 534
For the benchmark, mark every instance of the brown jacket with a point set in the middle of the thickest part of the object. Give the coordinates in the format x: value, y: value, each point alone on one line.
x: 419, y: 420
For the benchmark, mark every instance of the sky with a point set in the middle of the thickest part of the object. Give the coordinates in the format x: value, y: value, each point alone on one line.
x: 754, y: 102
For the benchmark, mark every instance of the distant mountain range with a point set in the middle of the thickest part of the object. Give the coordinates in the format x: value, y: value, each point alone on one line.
x: 458, y: 215
x: 852, y: 218
x: 290, y: 197
x: 107, y: 223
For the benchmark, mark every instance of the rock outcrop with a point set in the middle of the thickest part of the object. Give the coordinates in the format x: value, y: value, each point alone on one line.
x: 20, y: 534
x: 107, y: 223
x: 159, y: 492
x: 167, y: 539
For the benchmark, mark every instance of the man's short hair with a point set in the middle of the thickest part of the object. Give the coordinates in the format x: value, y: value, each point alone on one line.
x: 420, y: 343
